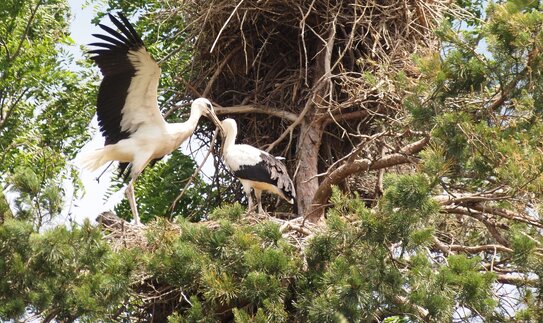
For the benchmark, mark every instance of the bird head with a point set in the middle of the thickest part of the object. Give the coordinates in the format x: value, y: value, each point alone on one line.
x: 206, y: 108
x: 229, y: 126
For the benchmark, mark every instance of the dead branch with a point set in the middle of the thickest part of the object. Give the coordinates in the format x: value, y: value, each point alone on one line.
x: 362, y: 165
x: 448, y: 248
x: 247, y: 109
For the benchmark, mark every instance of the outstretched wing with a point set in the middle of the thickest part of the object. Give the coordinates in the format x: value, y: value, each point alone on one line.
x: 127, y: 98
x: 268, y: 170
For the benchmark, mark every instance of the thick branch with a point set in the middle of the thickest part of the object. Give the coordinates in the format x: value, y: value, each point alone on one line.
x: 476, y: 202
x: 490, y: 224
x: 517, y: 280
x: 507, y: 214
x: 361, y: 165
x: 447, y: 248
x: 243, y: 109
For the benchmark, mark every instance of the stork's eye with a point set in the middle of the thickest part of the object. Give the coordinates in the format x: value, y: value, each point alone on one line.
x: 209, y: 106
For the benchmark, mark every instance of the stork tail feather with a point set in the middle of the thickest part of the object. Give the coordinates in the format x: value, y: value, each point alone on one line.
x: 92, y: 160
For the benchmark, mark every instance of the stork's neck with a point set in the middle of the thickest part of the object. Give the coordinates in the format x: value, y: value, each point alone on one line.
x: 181, y: 131
x: 230, y: 140
x: 192, y: 122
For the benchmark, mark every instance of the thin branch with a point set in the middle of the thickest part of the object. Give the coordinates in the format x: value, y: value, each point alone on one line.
x: 27, y: 28
x: 218, y: 72
x: 309, y: 104
x: 224, y: 25
x: 193, y: 176
x: 468, y: 198
x: 244, y: 109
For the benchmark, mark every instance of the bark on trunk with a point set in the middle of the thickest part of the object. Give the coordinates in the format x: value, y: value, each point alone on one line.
x: 306, y: 182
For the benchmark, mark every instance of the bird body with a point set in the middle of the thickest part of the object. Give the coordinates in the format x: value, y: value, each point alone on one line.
x: 127, y: 107
x: 147, y: 143
x: 255, y: 168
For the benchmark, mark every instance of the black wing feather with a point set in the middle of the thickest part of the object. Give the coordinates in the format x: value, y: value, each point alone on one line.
x: 131, y: 31
x: 115, y: 34
x: 109, y: 39
x: 111, y: 57
x: 270, y: 170
x: 104, y: 45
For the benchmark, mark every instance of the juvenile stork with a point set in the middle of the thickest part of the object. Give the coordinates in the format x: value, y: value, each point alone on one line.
x: 128, y: 114
x: 256, y: 169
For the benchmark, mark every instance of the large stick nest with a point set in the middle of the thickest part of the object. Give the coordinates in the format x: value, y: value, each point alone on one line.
x: 333, y: 64
x: 274, y: 53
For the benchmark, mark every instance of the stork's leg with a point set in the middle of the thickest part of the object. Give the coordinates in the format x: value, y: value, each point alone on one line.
x: 132, y: 201
x: 258, y: 194
x: 247, y: 190
x: 250, y: 207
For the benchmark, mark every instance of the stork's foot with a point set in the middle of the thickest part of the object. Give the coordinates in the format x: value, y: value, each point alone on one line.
x: 251, y: 209
x: 263, y: 212
x: 137, y: 223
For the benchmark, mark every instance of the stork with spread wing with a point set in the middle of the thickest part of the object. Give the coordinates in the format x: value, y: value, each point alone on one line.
x: 128, y: 114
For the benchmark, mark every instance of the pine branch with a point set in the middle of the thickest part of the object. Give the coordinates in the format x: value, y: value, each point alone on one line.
x: 448, y: 248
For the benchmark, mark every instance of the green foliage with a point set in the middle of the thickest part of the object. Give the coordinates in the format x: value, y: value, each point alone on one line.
x: 523, y: 246
x: 44, y: 106
x: 78, y: 274
x: 474, y: 287
x: 229, y: 212
x: 38, y: 200
x: 226, y: 265
x: 158, y: 187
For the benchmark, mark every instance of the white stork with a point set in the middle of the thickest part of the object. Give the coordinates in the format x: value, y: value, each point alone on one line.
x: 256, y: 169
x: 128, y: 114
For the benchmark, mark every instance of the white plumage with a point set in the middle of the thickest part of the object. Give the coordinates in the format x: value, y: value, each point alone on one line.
x: 256, y: 169
x: 128, y: 114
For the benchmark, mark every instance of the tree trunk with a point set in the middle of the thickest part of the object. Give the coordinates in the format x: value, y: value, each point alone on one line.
x: 306, y: 181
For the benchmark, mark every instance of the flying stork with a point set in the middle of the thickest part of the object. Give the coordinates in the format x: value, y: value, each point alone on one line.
x: 128, y: 114
x: 256, y: 169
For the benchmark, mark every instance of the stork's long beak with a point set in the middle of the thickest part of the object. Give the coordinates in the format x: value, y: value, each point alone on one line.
x: 218, y: 124
x: 211, y: 115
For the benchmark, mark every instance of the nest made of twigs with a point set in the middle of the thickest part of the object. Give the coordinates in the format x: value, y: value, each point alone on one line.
x: 121, y: 234
x: 343, y: 57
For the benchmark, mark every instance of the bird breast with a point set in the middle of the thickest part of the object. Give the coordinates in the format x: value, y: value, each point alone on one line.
x: 157, y: 139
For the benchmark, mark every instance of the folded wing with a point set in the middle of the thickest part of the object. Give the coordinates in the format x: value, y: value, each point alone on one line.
x: 268, y: 170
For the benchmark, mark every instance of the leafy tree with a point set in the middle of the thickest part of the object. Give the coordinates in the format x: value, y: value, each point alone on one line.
x: 44, y: 107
